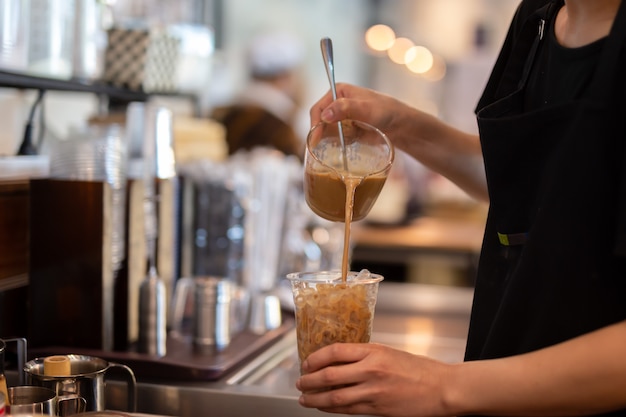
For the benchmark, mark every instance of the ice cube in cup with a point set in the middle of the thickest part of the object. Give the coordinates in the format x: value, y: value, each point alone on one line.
x: 329, y: 310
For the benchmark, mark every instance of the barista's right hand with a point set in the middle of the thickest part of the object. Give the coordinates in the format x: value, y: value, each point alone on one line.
x: 361, y: 104
x: 454, y: 154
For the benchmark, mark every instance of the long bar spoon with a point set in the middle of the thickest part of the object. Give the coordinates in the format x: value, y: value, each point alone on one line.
x: 327, y: 53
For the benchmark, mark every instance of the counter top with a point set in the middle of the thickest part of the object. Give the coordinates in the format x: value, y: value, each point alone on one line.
x: 431, y: 232
x: 439, y: 247
x: 422, y: 319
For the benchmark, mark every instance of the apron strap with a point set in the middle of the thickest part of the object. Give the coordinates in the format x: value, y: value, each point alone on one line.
x: 537, y: 24
x: 528, y: 65
x: 522, y: 57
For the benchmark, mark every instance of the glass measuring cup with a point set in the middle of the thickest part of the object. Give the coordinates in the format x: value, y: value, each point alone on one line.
x: 368, y: 158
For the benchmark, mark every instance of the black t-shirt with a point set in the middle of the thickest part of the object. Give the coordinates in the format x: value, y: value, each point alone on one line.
x: 498, y: 87
x: 560, y: 74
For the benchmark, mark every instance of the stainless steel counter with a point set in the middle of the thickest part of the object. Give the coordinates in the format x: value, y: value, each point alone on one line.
x: 428, y: 320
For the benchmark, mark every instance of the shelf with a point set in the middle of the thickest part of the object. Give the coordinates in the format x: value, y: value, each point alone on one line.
x: 24, y: 81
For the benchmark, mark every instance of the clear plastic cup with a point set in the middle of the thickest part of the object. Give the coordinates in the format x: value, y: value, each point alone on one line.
x: 329, y: 310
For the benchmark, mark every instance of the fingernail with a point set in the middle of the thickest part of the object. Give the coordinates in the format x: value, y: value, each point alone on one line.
x: 327, y: 115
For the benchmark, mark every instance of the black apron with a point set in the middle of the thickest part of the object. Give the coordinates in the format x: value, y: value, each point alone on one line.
x: 548, y: 269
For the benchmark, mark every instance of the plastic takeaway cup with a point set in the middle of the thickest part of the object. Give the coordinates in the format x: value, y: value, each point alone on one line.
x: 329, y: 310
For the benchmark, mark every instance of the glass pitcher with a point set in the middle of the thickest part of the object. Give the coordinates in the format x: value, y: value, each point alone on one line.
x: 365, y: 156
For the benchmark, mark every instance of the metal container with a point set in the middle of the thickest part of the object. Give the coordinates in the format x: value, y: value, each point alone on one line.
x: 209, y: 298
x: 87, y: 380
x: 152, y: 322
x: 33, y: 400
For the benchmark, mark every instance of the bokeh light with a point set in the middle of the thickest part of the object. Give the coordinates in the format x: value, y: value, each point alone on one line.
x: 380, y: 37
x: 418, y: 59
x: 398, y: 51
x: 437, y: 70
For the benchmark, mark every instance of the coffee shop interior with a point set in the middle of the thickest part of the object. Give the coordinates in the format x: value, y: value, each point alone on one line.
x: 121, y: 191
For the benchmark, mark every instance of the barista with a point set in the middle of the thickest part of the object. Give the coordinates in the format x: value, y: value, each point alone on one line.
x: 267, y: 112
x: 547, y: 335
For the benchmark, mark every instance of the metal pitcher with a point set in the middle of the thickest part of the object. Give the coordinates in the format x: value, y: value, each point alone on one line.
x: 87, y: 380
x: 32, y: 400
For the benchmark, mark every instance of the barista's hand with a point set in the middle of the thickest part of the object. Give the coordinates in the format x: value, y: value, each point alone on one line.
x: 374, y: 380
x: 455, y: 154
x: 358, y: 103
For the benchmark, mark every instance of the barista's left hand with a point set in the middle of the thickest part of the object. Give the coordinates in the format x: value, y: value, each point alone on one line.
x: 581, y: 376
x: 373, y: 379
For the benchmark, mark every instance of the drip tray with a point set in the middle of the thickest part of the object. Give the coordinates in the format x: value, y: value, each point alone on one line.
x: 182, y: 361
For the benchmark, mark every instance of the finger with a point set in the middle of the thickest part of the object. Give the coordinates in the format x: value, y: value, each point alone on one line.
x: 336, y: 365
x: 314, y: 385
x: 316, y: 110
x: 335, y: 353
x: 330, y: 110
x: 338, y: 398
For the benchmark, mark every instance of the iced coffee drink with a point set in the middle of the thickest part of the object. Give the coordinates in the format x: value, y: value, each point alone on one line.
x: 329, y: 310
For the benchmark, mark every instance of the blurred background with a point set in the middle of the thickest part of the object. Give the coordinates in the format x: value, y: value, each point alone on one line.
x: 146, y: 145
x: 447, y: 28
x: 186, y: 72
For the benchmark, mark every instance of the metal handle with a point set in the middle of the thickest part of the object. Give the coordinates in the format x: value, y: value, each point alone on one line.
x: 68, y: 405
x: 131, y: 383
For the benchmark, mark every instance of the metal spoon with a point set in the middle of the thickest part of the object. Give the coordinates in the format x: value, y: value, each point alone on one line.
x: 327, y: 53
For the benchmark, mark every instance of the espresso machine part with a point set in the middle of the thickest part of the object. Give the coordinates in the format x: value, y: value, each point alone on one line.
x: 152, y: 295
x: 152, y: 315
x: 153, y: 229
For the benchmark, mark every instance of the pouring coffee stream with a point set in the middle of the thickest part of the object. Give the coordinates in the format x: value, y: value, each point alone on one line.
x: 329, y: 63
x: 334, y: 188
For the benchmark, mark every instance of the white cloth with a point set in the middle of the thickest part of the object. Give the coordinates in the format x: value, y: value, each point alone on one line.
x: 274, y: 53
x: 270, y: 98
